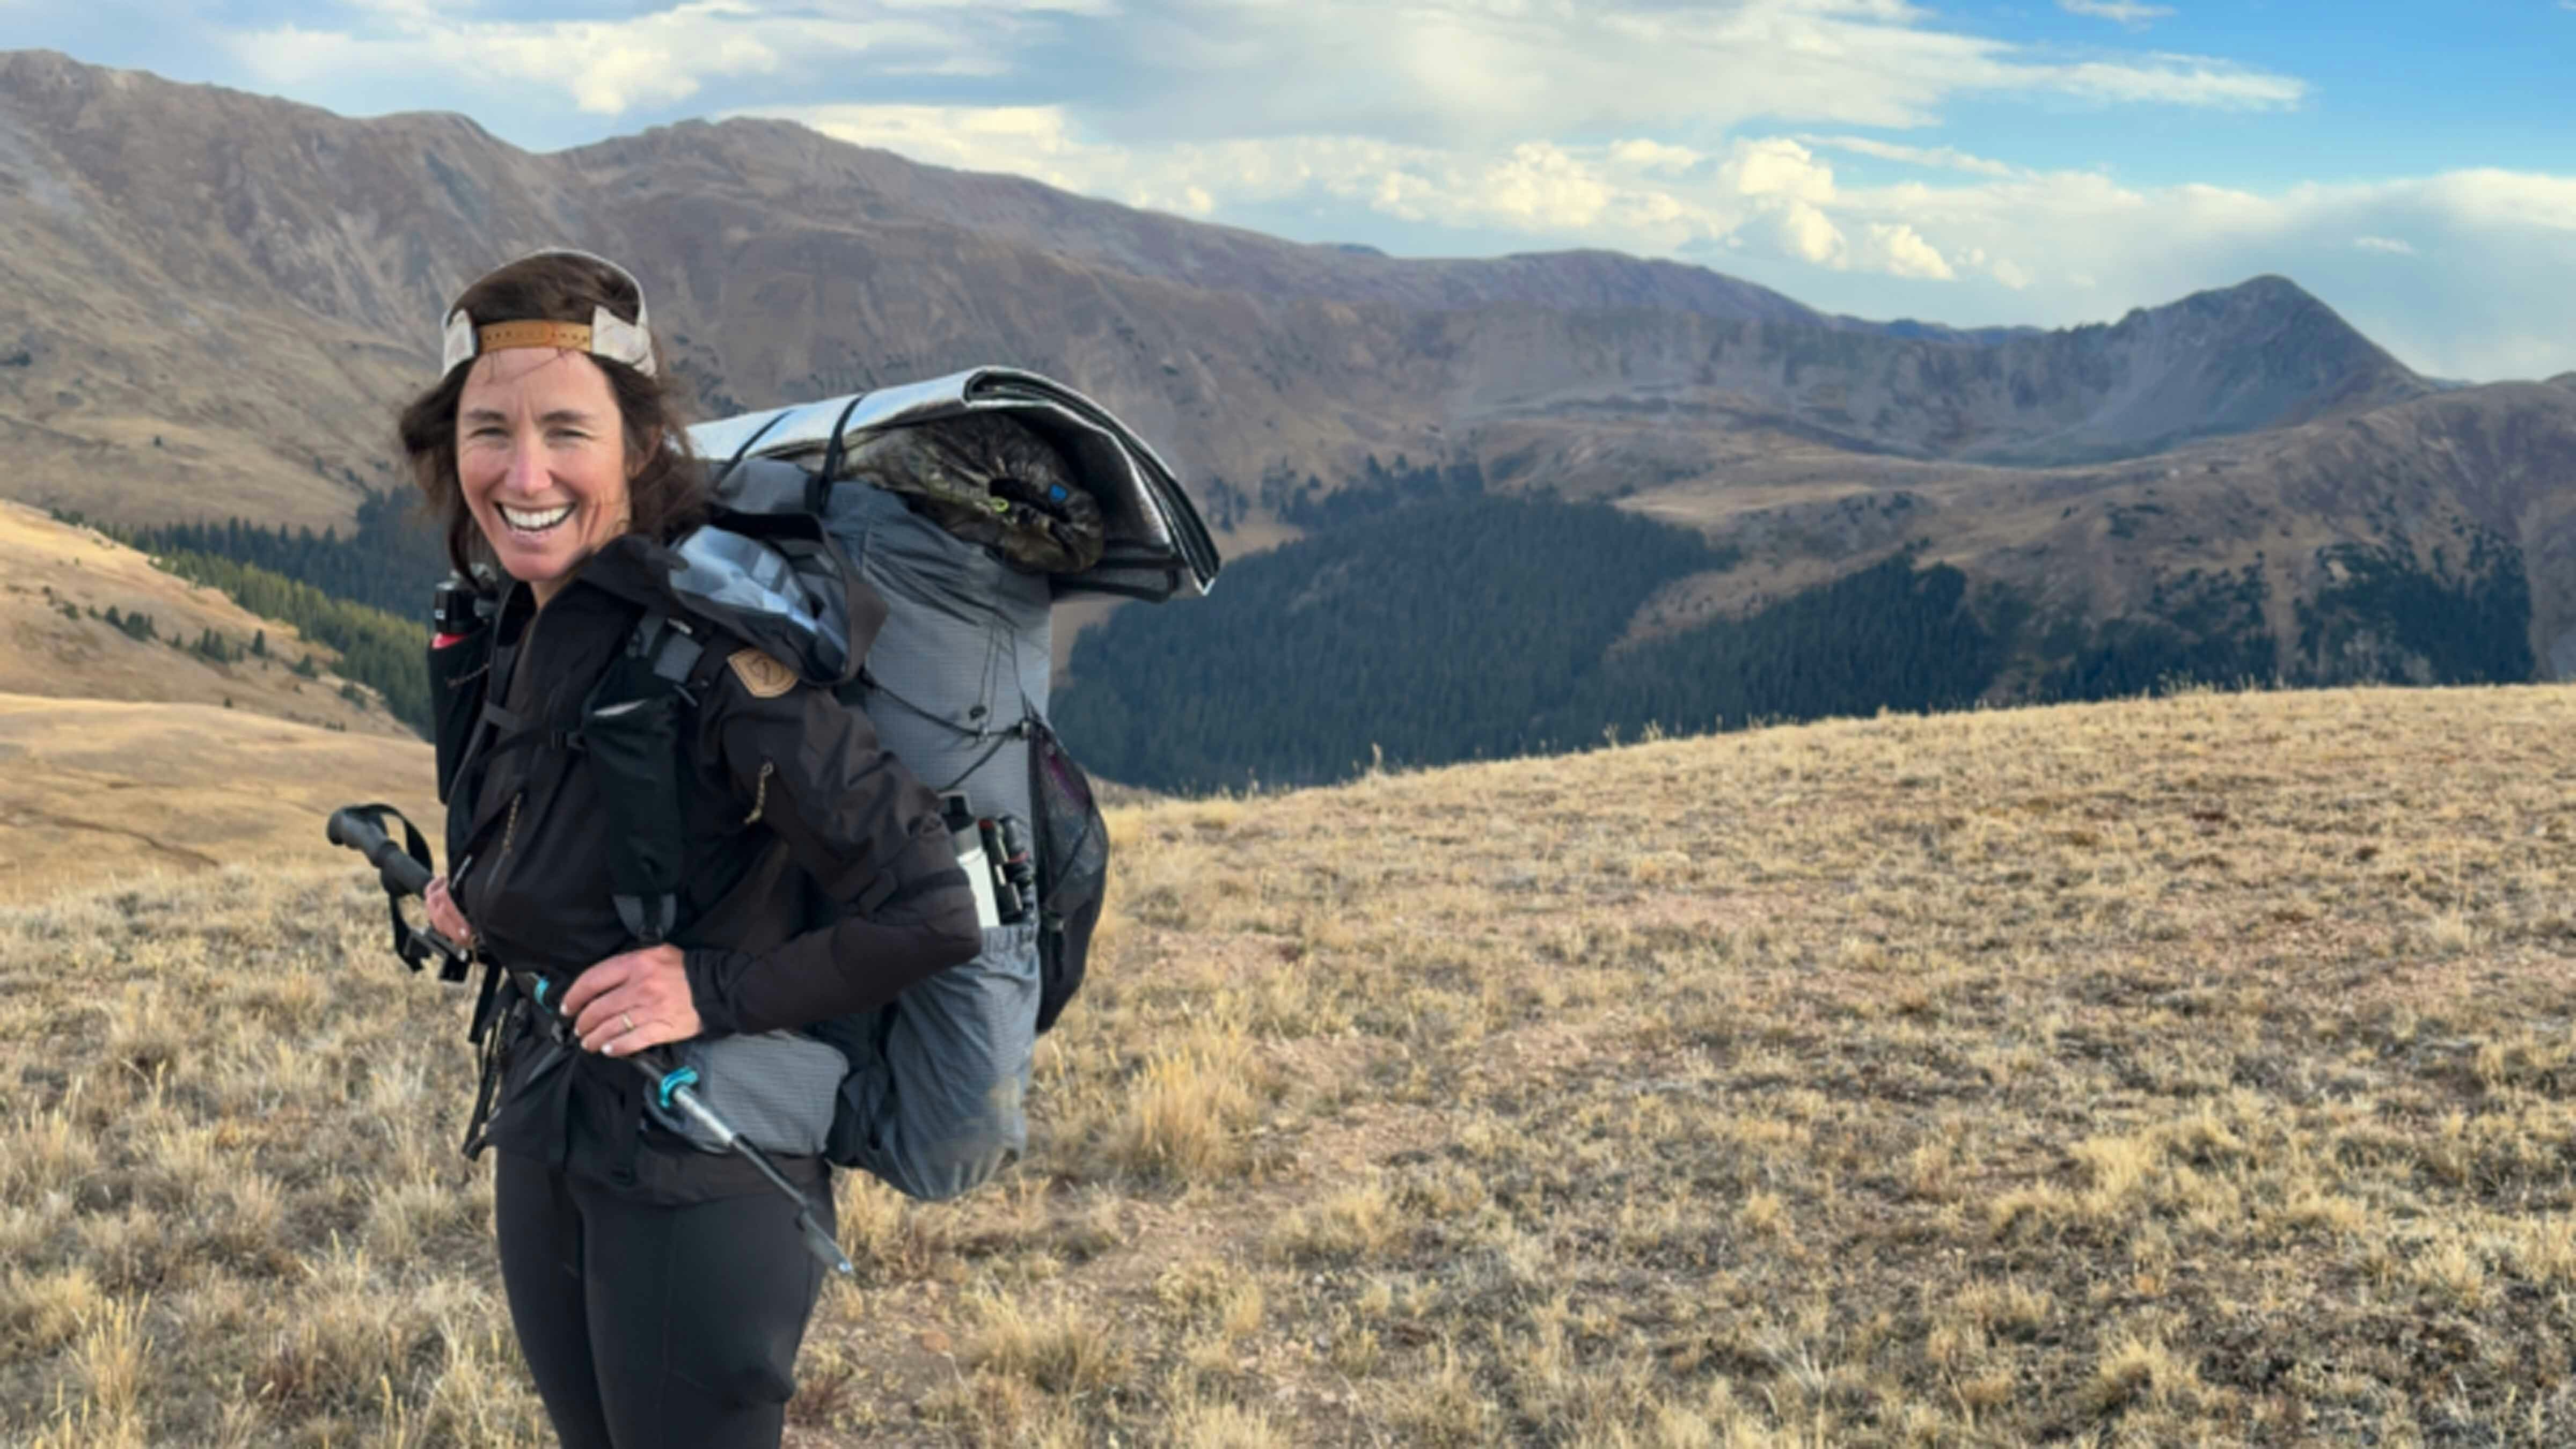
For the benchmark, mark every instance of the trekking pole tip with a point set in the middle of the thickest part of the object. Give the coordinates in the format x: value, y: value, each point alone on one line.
x: 824, y: 1247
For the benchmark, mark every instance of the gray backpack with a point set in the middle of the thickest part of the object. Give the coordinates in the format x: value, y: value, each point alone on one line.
x: 970, y: 504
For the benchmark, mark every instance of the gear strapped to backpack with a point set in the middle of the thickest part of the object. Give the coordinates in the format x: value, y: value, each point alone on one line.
x: 950, y: 500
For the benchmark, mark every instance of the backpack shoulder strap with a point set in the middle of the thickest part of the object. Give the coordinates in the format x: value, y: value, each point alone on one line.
x: 673, y: 646
x: 631, y: 733
x: 683, y: 655
x: 633, y: 729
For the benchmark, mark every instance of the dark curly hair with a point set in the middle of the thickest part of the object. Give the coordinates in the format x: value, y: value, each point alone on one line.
x: 668, y: 495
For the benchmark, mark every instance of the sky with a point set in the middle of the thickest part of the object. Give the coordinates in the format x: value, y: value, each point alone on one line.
x: 2046, y: 162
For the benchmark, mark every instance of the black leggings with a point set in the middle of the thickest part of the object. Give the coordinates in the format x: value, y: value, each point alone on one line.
x: 648, y: 1325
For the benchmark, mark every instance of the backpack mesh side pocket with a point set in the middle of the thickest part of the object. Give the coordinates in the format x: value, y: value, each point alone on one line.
x: 1073, y: 869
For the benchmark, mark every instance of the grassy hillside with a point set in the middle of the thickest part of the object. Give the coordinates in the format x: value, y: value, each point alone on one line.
x: 2184, y: 1071
x: 85, y: 617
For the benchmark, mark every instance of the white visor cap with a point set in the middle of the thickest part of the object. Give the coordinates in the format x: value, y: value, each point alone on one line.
x: 606, y: 336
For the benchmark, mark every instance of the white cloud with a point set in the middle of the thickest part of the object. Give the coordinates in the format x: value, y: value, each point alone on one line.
x: 1642, y: 197
x: 1491, y: 73
x: 1536, y: 188
x: 1896, y: 249
x: 1809, y: 235
x: 1777, y: 168
x: 2126, y: 12
x: 2389, y: 245
x: 611, y: 67
x: 2491, y: 196
x: 2180, y: 80
x: 1462, y: 72
x: 1942, y: 157
x: 1042, y: 142
x: 1026, y: 140
x: 1657, y: 156
x: 1542, y: 186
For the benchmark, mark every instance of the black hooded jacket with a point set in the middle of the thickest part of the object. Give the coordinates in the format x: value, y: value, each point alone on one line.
x: 817, y: 879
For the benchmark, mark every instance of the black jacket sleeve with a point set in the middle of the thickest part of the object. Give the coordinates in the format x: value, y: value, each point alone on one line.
x: 867, y: 832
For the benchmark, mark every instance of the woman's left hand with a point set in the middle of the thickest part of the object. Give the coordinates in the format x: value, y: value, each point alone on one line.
x: 632, y: 1001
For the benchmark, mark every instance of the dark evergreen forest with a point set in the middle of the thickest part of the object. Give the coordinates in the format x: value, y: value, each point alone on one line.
x: 1462, y: 627
x: 360, y: 594
x: 390, y: 561
x: 377, y: 649
x: 1426, y: 621
x: 1890, y: 636
x: 2386, y: 617
x: 1483, y: 628
x: 2195, y: 626
x: 1443, y: 631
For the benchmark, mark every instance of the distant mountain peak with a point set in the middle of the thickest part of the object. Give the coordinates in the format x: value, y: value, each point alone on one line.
x: 2271, y: 286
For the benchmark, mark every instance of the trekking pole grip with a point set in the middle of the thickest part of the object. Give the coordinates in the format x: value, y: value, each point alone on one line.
x: 400, y: 871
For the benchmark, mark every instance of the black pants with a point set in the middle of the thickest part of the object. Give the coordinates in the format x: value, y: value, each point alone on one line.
x: 649, y: 1325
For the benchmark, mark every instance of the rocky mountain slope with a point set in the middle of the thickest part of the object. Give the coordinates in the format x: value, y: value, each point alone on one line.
x: 2460, y: 488
x: 211, y: 303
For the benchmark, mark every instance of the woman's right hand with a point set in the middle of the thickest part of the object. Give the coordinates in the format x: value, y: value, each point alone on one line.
x: 444, y: 917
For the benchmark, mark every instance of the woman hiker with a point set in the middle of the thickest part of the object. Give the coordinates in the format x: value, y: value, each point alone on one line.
x: 658, y: 1290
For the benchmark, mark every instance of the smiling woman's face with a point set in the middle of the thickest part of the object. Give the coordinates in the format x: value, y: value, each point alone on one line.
x: 541, y: 455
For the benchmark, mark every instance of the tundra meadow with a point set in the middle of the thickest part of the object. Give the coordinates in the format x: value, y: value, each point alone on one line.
x: 2190, y: 1070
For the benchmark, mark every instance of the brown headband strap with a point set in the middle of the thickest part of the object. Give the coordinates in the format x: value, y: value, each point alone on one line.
x: 501, y: 336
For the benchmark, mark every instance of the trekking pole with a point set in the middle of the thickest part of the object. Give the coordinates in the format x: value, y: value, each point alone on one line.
x: 673, y: 1082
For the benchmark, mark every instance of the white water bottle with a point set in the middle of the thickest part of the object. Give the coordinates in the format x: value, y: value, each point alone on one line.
x: 967, y: 839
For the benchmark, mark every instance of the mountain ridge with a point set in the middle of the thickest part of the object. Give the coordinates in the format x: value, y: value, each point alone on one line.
x: 174, y: 369
x: 1155, y: 244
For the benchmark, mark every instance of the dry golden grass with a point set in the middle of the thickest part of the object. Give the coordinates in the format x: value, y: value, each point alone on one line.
x: 99, y: 791
x: 231, y: 1208
x: 2193, y: 1071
